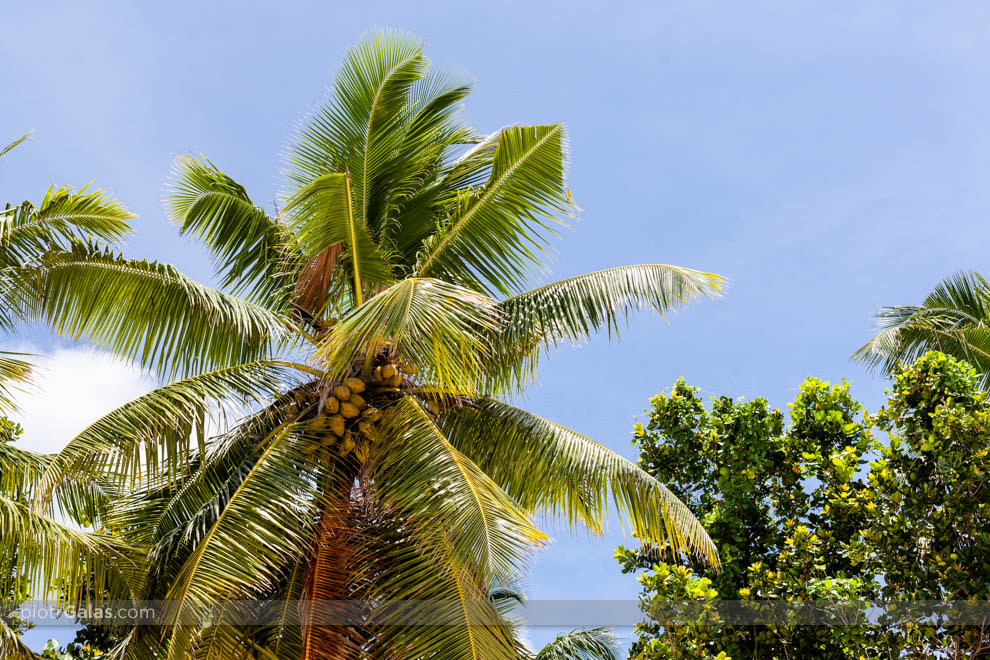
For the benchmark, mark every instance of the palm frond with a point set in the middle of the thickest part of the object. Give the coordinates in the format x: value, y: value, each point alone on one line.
x: 593, y: 644
x: 498, y: 233
x: 351, y: 133
x: 431, y: 205
x: 15, y: 374
x: 82, y: 500
x: 954, y: 319
x: 547, y: 467
x: 12, y: 646
x: 441, y: 328
x: 255, y: 253
x: 5, y: 150
x: 62, y: 561
x: 322, y: 216
x: 436, y: 485
x: 63, y: 217
x: 268, y: 518
x: 159, y: 427
x: 576, y: 308
x: 154, y: 315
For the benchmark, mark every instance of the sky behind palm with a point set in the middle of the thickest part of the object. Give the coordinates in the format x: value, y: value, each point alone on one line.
x: 826, y: 157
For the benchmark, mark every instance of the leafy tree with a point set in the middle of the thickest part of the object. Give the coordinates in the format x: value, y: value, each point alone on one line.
x: 803, y: 514
x: 929, y: 526
x: 369, y: 333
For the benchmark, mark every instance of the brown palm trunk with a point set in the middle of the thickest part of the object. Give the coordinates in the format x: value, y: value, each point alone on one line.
x: 330, y: 584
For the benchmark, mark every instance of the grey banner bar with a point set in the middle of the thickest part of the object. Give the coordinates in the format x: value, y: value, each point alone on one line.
x: 573, y: 613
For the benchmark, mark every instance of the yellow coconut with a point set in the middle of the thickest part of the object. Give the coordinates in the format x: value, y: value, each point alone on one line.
x: 338, y: 424
x: 388, y: 371
x: 346, y: 445
x: 395, y: 380
x: 349, y: 410
x: 361, y: 452
x: 355, y: 384
x: 368, y: 430
x: 332, y: 406
x: 358, y: 400
x: 377, y: 373
x: 342, y: 392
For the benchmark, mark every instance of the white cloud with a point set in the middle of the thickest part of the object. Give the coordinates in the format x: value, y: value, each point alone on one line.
x: 73, y: 388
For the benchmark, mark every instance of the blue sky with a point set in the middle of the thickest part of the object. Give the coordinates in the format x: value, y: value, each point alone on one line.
x: 826, y: 157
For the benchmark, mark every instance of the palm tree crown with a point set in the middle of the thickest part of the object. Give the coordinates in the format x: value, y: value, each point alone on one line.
x: 954, y: 319
x: 363, y: 344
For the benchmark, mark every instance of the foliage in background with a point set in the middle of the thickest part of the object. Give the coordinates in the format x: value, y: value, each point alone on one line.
x: 803, y: 513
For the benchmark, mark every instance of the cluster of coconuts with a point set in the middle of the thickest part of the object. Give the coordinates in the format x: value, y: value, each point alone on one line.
x: 347, y: 419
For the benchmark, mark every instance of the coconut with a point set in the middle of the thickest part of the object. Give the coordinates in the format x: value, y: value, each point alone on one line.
x: 347, y: 445
x: 395, y: 380
x: 349, y: 410
x: 338, y: 424
x: 371, y: 414
x: 342, y: 392
x: 408, y: 369
x: 358, y: 400
x: 388, y: 371
x: 355, y: 384
x: 317, y: 423
x: 377, y: 373
x: 332, y: 405
x: 361, y: 452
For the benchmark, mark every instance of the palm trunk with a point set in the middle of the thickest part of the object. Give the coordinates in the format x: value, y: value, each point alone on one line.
x: 330, y: 580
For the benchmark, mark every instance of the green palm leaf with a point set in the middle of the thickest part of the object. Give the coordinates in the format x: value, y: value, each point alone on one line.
x: 5, y: 150
x: 441, y: 328
x: 351, y: 132
x: 498, y: 233
x: 14, y: 375
x: 63, y: 217
x: 455, y: 532
x: 594, y: 644
x: 437, y: 486
x: 571, y: 477
x: 255, y: 253
x: 954, y: 319
x: 268, y: 518
x: 154, y: 315
x: 158, y: 427
x: 63, y: 561
x: 576, y: 308
x: 322, y: 217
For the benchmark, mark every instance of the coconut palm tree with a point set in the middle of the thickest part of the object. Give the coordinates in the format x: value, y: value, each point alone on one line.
x: 593, y: 644
x: 336, y: 427
x: 954, y: 319
x: 36, y: 549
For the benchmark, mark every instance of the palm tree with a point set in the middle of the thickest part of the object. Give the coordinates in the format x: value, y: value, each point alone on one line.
x: 336, y: 428
x: 593, y: 644
x: 954, y: 319
x: 35, y: 549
